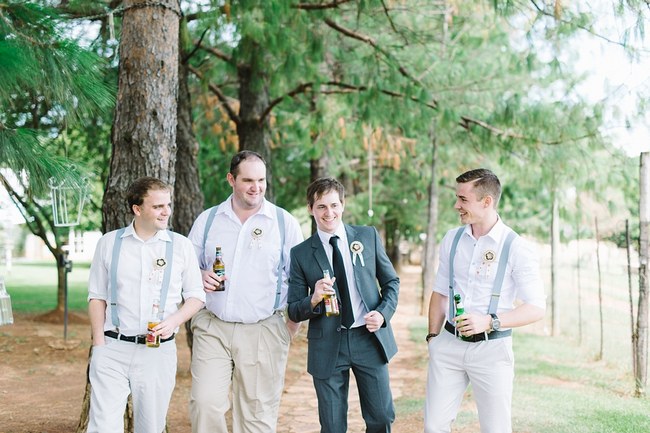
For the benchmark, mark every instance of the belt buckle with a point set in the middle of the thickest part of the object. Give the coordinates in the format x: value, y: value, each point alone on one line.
x: 140, y: 339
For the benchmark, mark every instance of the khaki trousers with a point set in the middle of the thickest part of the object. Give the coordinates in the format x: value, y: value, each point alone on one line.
x: 120, y: 368
x: 454, y: 364
x: 247, y: 360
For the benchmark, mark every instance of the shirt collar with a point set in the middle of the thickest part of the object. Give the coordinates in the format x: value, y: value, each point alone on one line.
x: 325, y: 237
x: 496, y: 232
x: 226, y: 208
x: 161, y: 235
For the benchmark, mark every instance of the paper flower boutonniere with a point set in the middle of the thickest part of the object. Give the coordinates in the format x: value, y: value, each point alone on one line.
x: 357, y: 248
x: 157, y: 272
x: 256, y: 238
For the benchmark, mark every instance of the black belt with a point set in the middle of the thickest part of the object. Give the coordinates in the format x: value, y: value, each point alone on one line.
x: 138, y: 339
x: 478, y: 337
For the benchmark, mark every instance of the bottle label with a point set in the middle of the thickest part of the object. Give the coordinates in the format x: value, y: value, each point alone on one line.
x: 152, y: 340
x: 331, y: 305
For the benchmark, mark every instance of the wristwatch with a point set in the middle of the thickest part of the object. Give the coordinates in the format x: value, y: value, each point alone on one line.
x: 496, y: 323
x: 430, y: 336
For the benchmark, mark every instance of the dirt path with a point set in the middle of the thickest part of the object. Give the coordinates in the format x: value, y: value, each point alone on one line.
x: 42, y: 380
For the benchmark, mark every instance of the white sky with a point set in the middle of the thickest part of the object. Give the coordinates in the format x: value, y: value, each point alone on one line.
x: 616, y: 79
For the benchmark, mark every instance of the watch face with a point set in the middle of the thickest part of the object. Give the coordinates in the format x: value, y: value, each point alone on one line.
x: 496, y: 323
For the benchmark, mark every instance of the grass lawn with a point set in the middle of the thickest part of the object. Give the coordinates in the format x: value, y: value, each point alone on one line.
x: 32, y: 286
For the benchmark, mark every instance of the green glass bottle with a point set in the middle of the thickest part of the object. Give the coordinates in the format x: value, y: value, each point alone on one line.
x: 460, y: 310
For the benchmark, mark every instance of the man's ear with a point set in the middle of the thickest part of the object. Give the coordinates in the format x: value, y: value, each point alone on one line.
x: 488, y: 201
x: 135, y: 209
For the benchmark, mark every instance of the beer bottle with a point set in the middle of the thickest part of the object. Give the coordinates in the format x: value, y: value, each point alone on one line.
x: 460, y: 310
x: 219, y: 268
x: 331, y: 302
x: 153, y: 340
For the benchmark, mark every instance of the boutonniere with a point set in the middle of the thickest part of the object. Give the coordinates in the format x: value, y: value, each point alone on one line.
x: 156, y: 275
x: 256, y: 238
x: 357, y: 248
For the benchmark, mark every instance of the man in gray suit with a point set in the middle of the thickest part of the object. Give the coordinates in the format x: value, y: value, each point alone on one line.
x: 360, y: 337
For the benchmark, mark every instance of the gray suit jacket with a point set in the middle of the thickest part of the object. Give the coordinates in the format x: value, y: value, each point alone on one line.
x: 377, y: 283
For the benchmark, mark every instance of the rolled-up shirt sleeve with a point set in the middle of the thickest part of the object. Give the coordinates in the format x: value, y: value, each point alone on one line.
x: 192, y: 279
x: 526, y: 273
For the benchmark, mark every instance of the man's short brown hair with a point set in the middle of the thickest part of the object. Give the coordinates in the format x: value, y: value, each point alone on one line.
x: 485, y: 183
x: 322, y: 186
x: 136, y: 192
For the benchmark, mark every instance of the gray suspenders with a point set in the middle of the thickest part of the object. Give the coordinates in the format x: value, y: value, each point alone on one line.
x: 280, y: 218
x: 498, y: 280
x: 117, y: 246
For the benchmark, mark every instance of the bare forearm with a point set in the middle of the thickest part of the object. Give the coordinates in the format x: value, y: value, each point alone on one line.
x: 97, y: 314
x: 190, y: 307
x: 523, y: 315
x: 437, y: 305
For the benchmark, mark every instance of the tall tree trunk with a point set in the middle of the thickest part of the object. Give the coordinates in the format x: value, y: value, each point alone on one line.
x: 600, y: 293
x: 628, y: 249
x: 252, y: 129
x: 144, y: 127
x: 429, y: 255
x: 188, y: 198
x: 641, y: 377
x: 579, y: 280
x: 555, y: 251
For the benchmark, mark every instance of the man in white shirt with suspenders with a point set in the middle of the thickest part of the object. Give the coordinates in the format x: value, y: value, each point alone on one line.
x: 133, y: 268
x: 490, y: 267
x: 241, y: 340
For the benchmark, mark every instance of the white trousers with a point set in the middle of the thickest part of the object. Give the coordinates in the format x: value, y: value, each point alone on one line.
x: 454, y: 364
x: 120, y: 368
x: 247, y: 359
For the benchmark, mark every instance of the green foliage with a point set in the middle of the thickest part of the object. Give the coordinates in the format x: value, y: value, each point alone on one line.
x: 47, y: 82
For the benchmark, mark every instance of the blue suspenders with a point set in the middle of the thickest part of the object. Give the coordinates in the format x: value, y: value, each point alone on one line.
x: 498, y: 280
x: 280, y: 218
x: 117, y: 246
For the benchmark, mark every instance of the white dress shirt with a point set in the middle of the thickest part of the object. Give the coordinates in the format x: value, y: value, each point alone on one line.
x: 139, y: 280
x: 358, y: 307
x: 251, y: 254
x: 475, y: 268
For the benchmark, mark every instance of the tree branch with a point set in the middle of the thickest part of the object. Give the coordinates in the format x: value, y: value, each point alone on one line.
x: 368, y: 40
x: 32, y: 219
x: 588, y: 30
x: 197, y: 45
x: 215, y: 52
x: 220, y: 95
x: 347, y: 88
x: 467, y: 122
x: 320, y: 6
x: 301, y: 88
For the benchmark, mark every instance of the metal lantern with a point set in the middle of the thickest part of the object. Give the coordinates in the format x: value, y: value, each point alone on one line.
x: 68, y: 199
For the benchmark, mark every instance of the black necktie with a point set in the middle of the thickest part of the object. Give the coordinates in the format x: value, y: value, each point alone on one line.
x: 342, y: 283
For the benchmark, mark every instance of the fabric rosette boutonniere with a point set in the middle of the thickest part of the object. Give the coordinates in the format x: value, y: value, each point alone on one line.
x: 357, y: 248
x: 157, y: 272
